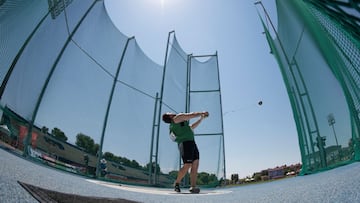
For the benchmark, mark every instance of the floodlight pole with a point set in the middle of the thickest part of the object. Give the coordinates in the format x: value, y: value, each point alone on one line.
x: 331, y: 121
x: 108, y: 108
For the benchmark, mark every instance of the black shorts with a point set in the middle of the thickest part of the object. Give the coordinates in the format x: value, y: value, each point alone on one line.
x: 188, y: 151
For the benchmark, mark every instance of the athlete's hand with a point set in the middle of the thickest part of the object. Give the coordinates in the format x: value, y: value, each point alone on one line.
x: 205, y: 114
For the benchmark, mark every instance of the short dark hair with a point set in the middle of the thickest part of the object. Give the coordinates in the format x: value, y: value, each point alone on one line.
x: 167, y: 118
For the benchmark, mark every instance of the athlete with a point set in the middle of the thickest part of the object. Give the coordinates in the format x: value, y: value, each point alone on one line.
x: 184, y: 136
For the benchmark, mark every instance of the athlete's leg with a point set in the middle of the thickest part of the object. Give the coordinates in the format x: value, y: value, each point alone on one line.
x: 183, y: 172
x: 194, y: 172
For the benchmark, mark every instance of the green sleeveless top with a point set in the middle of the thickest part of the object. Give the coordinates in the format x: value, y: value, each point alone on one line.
x: 182, y: 131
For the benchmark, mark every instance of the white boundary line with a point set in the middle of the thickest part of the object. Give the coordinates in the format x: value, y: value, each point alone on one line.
x: 153, y: 190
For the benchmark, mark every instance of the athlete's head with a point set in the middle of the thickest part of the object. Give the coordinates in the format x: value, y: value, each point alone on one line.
x: 167, y: 117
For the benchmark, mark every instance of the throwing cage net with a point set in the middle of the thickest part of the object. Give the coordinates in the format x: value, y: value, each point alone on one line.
x: 79, y: 95
x: 317, y: 46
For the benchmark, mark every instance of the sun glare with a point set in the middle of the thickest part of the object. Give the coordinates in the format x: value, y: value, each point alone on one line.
x: 162, y: 3
x: 158, y: 3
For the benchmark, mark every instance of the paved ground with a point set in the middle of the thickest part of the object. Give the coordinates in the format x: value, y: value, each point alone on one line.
x: 337, y: 185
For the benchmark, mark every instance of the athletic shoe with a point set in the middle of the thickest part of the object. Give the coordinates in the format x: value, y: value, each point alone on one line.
x: 177, y: 187
x: 195, y: 190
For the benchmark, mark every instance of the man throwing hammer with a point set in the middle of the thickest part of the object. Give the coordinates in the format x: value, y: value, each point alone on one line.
x: 184, y: 136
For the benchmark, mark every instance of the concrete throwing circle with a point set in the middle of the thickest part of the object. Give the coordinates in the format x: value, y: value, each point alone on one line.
x: 158, y: 191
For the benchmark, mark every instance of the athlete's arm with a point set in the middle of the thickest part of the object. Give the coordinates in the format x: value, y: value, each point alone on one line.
x: 196, y: 123
x: 181, y: 117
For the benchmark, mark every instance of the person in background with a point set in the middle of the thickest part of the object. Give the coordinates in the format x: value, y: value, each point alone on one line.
x: 103, y: 167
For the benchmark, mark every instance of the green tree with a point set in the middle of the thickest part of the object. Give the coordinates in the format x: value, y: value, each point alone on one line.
x: 95, y: 148
x: 257, y: 176
x: 135, y: 164
x: 123, y: 161
x: 45, y: 130
x: 87, y: 143
x: 234, y: 178
x: 109, y: 156
x: 207, y: 179
x: 173, y: 174
x: 58, y: 134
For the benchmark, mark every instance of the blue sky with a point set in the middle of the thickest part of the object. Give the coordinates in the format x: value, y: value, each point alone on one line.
x: 256, y: 137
